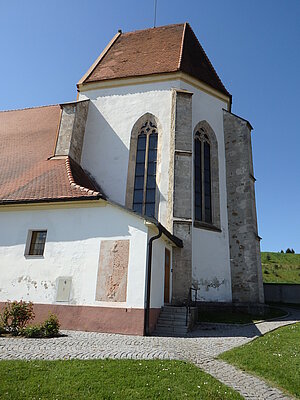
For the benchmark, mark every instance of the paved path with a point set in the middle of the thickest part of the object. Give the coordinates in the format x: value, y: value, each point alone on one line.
x: 200, y: 347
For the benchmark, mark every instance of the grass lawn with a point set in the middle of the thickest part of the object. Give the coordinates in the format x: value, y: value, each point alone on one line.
x: 108, y: 379
x: 280, y: 267
x: 275, y: 357
x: 236, y: 317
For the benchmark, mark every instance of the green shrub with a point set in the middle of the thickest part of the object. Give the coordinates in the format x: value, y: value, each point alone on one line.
x: 2, y: 329
x: 16, y: 316
x: 51, y: 326
x: 33, y: 331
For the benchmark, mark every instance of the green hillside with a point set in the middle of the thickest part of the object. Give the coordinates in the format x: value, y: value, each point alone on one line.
x: 280, y: 267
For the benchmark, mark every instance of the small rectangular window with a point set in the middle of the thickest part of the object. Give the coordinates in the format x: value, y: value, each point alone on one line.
x: 37, y: 243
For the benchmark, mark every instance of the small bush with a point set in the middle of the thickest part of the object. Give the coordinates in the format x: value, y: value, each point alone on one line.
x: 51, y: 326
x: 33, y: 331
x: 2, y: 329
x: 16, y: 316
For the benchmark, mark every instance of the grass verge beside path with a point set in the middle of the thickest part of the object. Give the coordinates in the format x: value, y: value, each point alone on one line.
x: 108, y: 379
x: 274, y: 357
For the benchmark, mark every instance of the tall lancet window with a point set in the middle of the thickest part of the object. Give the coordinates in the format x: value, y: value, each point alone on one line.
x: 144, y: 193
x: 203, y: 207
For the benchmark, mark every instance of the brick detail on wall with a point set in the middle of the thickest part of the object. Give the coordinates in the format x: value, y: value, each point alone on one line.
x: 182, y: 195
x: 246, y: 274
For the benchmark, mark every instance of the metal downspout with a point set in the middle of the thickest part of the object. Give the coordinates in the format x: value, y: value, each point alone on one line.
x: 149, y: 268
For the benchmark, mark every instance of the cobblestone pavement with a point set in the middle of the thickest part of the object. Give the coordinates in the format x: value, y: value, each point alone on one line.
x: 200, y: 347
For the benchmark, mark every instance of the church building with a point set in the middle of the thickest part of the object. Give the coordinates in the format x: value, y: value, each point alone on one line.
x: 137, y: 195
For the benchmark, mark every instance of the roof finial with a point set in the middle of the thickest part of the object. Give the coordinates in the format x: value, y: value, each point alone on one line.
x: 155, y: 7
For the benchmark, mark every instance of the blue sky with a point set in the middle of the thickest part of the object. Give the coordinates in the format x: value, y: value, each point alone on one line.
x: 46, y: 46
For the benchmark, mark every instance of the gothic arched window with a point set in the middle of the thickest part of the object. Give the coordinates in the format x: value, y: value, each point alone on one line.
x: 206, y: 177
x: 144, y: 192
x: 203, y: 211
x: 141, y: 194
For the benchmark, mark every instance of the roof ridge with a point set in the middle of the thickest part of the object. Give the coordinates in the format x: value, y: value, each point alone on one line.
x: 72, y: 181
x: 181, y: 46
x: 156, y: 27
x: 206, y: 56
x: 29, y: 108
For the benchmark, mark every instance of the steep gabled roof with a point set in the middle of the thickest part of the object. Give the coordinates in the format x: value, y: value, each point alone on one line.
x: 166, y: 49
x: 27, y: 140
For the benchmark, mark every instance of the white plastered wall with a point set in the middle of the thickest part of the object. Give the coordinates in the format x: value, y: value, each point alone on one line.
x: 112, y: 114
x: 72, y: 250
x: 158, y: 272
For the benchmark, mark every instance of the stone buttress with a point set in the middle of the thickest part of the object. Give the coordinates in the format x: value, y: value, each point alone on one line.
x: 181, y: 177
x: 244, y: 243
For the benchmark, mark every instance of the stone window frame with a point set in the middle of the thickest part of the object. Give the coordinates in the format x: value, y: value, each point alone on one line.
x: 203, y: 127
x: 136, y: 130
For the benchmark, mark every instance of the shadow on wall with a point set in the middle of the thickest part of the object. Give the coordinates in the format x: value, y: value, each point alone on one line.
x: 105, y: 155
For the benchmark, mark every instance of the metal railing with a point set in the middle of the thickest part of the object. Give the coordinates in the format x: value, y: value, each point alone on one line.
x: 191, y: 301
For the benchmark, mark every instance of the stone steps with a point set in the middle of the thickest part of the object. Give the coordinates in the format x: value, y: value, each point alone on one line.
x: 173, y: 321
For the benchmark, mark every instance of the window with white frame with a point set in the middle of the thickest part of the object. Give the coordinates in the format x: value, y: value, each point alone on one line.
x: 36, y: 244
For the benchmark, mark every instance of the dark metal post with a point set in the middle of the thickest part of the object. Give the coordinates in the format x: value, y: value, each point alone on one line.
x: 149, y: 268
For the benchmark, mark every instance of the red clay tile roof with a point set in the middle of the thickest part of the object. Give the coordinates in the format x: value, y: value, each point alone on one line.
x: 27, y: 140
x: 160, y: 50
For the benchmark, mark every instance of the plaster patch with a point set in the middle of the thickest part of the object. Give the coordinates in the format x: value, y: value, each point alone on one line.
x: 214, y: 283
x: 112, y: 271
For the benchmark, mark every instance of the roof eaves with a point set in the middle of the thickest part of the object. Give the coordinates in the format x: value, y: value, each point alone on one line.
x: 49, y: 200
x: 75, y: 185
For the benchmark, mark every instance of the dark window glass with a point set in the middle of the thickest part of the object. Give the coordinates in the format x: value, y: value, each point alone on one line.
x: 151, y: 182
x: 139, y: 169
x: 145, y: 204
x: 152, y: 155
x: 202, y: 181
x: 150, y: 209
x: 37, y: 243
x: 207, y: 183
x: 150, y: 196
x: 140, y: 156
x: 151, y: 168
x: 139, y: 182
x: 138, y: 196
x: 138, y: 207
x: 198, y: 215
x: 151, y: 176
x: 142, y: 142
x: 153, y: 141
x: 198, y: 181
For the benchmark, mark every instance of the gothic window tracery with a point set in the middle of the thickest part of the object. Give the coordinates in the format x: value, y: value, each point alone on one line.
x: 144, y: 192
